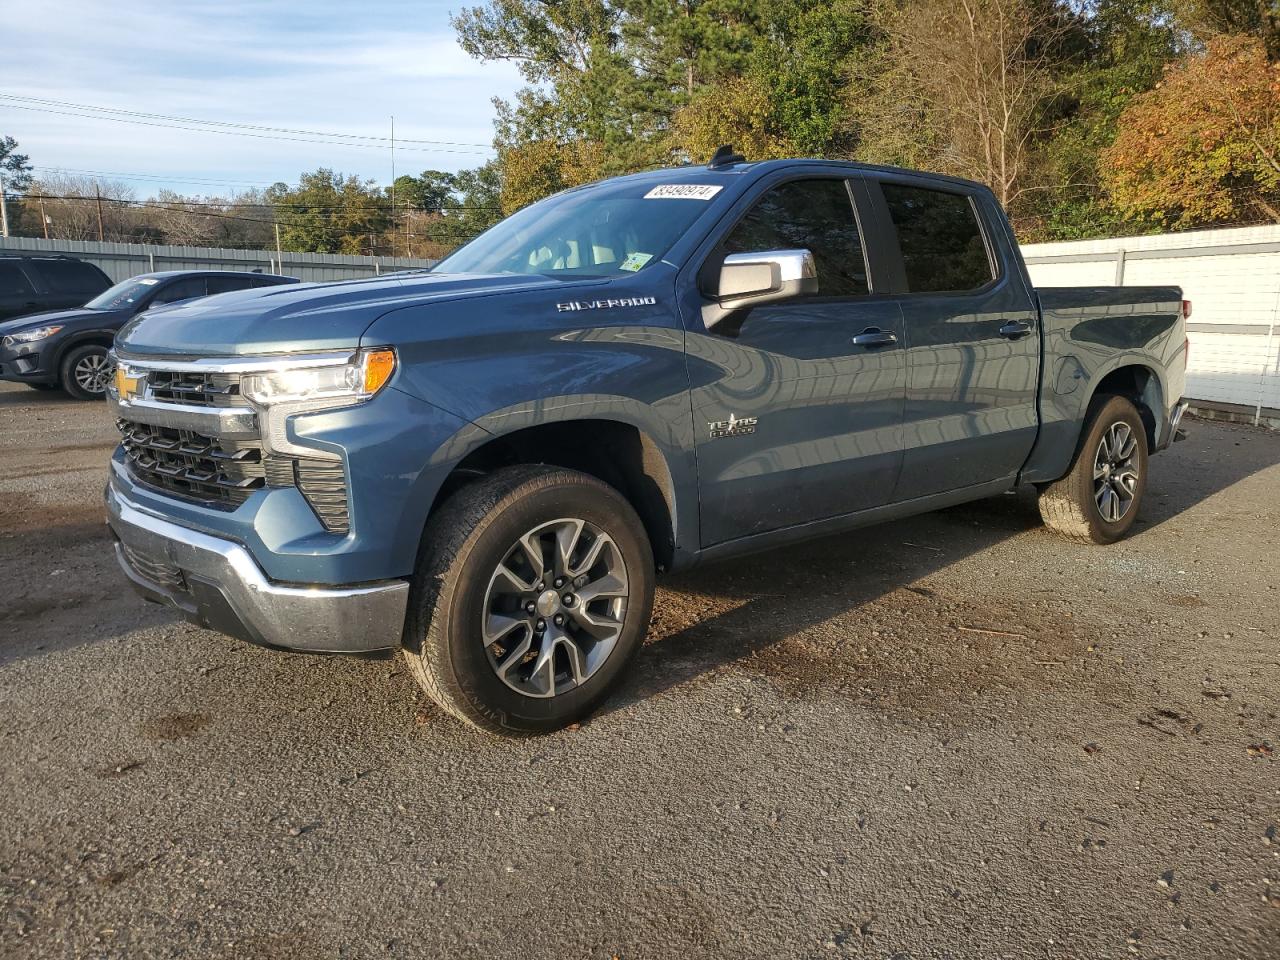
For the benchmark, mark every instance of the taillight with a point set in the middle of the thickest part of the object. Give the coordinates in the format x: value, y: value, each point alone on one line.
x: 1186, y: 309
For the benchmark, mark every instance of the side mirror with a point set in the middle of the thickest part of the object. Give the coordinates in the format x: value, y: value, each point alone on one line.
x: 750, y: 279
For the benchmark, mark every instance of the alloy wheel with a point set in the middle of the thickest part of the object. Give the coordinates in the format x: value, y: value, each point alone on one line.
x: 93, y: 372
x: 1115, y: 472
x: 555, y: 607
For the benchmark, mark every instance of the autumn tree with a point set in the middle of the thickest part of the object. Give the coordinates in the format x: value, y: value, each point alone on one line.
x: 1204, y: 146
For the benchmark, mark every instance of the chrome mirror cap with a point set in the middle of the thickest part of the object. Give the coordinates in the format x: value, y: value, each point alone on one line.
x: 767, y: 276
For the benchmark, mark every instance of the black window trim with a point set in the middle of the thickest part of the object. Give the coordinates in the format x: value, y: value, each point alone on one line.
x: 998, y: 272
x: 726, y: 226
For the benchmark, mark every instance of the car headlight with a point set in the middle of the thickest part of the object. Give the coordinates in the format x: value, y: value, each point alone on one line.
x: 353, y: 381
x: 30, y: 336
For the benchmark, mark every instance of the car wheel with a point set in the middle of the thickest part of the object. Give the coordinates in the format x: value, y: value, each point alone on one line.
x: 532, y: 594
x: 1098, y: 500
x: 86, y: 371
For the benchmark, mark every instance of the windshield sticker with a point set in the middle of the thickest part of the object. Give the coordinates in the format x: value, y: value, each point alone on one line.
x: 148, y: 281
x: 635, y: 261
x: 683, y: 191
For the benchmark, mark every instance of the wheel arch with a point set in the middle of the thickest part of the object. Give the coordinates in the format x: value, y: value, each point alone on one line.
x: 1139, y: 382
x: 611, y: 447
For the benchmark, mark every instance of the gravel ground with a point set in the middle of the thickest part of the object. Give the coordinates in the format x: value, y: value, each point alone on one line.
x: 954, y: 736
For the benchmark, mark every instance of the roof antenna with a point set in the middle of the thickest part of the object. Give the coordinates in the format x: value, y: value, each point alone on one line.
x: 725, y: 157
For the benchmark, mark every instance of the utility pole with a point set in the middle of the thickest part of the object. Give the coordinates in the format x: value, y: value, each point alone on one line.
x: 4, y: 211
x: 98, y: 194
x: 279, y: 264
x: 393, y: 190
x: 44, y: 220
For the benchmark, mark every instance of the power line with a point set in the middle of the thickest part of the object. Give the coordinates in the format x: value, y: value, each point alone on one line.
x: 237, y: 133
x: 238, y: 125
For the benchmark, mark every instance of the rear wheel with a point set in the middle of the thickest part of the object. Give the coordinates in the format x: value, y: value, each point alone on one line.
x: 86, y: 371
x: 532, y: 594
x: 1098, y: 500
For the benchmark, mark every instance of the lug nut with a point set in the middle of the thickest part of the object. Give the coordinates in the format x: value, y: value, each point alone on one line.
x: 567, y: 599
x: 539, y: 586
x: 530, y: 607
x: 559, y: 582
x: 542, y: 625
x: 559, y: 620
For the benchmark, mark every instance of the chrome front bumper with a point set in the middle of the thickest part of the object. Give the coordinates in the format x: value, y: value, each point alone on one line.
x: 217, y: 584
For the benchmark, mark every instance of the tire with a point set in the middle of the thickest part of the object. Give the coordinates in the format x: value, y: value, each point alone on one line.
x: 1089, y: 504
x: 474, y: 579
x: 86, y: 371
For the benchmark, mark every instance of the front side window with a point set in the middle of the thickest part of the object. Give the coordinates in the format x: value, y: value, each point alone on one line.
x: 940, y: 238
x: 813, y: 215
x: 180, y: 290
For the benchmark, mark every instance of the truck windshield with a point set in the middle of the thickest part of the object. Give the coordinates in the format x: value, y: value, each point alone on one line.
x: 610, y: 230
x: 123, y: 294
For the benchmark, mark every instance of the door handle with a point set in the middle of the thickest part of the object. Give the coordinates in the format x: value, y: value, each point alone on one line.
x: 874, y: 337
x: 1015, y: 329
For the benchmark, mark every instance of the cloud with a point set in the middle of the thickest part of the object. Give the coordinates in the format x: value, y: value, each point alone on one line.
x: 319, y: 66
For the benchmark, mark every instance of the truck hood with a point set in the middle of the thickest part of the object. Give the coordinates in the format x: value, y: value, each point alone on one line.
x: 301, y: 318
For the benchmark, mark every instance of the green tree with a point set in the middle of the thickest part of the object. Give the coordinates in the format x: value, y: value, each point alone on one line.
x: 329, y: 213
x: 15, y: 168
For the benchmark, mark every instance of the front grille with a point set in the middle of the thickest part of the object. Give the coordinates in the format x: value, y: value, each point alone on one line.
x: 216, y: 472
x: 160, y: 572
x: 196, y: 389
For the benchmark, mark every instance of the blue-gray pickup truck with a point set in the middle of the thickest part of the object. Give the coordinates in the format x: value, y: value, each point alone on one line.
x: 487, y: 465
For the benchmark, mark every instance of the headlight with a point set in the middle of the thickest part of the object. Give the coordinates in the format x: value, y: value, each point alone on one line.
x: 329, y: 385
x: 29, y: 336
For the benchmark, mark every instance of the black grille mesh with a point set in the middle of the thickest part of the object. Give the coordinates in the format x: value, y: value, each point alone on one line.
x: 218, y: 472
x: 324, y: 484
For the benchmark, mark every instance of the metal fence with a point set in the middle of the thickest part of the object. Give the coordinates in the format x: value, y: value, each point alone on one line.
x: 123, y: 260
x: 1231, y: 277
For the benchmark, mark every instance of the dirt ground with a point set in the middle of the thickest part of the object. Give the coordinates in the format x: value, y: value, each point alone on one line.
x: 953, y: 736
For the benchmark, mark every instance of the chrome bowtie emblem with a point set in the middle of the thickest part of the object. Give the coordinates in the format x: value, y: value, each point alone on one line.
x: 733, y: 427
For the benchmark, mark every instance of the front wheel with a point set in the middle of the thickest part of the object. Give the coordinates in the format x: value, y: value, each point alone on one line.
x: 1098, y: 500
x: 86, y: 371
x: 533, y: 592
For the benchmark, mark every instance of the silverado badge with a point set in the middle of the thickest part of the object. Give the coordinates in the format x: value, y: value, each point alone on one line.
x: 733, y: 427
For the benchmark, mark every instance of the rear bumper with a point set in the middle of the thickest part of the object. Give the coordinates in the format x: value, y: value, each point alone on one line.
x: 216, y: 583
x: 1174, y: 433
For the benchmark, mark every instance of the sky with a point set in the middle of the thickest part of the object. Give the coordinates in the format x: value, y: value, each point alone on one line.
x: 334, y: 68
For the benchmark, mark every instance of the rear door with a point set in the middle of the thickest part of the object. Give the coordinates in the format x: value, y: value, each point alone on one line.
x: 972, y: 337
x: 18, y: 295
x: 795, y: 421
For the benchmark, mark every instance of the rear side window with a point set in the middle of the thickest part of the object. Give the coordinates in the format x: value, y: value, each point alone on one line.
x: 227, y: 284
x: 814, y: 215
x: 13, y: 282
x: 940, y: 238
x: 70, y: 276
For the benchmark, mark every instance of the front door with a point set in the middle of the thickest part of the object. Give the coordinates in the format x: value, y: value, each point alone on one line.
x: 796, y: 420
x: 972, y: 340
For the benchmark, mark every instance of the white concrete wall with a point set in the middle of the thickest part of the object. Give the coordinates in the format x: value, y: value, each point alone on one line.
x: 1231, y: 277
